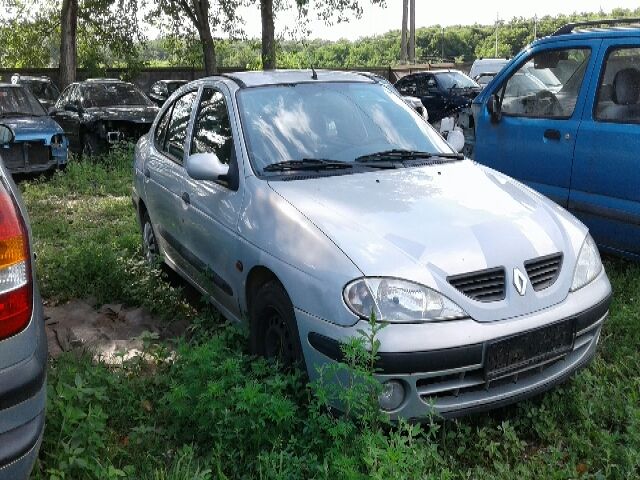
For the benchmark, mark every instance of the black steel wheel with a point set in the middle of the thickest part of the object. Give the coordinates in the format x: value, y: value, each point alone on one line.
x: 274, y: 330
x: 149, y: 241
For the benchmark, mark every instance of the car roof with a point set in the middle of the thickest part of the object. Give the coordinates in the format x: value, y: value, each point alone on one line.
x: 283, y: 77
x: 41, y: 78
x: 14, y: 85
x: 594, y: 30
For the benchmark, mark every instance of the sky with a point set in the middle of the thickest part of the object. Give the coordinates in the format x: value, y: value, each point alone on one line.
x: 376, y: 20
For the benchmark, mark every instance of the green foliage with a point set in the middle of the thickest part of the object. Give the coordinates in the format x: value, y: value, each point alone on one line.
x: 210, y: 410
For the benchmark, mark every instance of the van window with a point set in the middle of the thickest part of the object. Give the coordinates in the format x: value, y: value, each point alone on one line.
x: 619, y: 89
x: 537, y: 90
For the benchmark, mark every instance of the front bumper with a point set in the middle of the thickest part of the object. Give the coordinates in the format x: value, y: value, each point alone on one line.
x: 441, y: 365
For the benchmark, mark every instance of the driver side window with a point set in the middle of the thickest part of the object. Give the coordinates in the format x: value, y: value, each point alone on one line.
x: 547, y: 85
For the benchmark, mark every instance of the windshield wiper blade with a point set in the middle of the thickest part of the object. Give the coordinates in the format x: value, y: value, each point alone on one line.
x: 398, y: 155
x: 315, y: 164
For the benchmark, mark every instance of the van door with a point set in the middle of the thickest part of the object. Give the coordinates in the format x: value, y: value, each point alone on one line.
x: 605, y: 190
x: 533, y: 137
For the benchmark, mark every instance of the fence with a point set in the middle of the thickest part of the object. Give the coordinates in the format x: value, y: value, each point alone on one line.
x: 145, y: 77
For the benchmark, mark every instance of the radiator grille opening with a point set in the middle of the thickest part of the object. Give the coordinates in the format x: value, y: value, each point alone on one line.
x: 483, y: 286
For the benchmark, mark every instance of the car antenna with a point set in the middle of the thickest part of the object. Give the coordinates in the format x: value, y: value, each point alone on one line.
x: 314, y: 75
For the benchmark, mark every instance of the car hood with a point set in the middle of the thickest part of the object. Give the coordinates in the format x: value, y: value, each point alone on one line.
x: 29, y: 128
x: 427, y: 223
x: 136, y: 114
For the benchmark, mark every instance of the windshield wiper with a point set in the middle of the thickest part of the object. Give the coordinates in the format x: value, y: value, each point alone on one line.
x: 315, y: 164
x: 398, y: 155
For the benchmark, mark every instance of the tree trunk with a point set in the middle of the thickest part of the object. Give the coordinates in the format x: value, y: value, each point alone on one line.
x: 403, y: 38
x: 268, y: 35
x: 68, y: 53
x: 412, y: 32
x: 201, y: 10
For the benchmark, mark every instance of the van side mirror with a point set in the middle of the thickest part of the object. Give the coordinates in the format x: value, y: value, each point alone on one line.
x: 6, y: 135
x: 494, y: 108
x: 206, y: 166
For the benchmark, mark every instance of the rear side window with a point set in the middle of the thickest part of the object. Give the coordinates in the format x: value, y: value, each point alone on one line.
x: 619, y: 89
x: 547, y: 85
x: 174, y: 143
x: 212, y: 128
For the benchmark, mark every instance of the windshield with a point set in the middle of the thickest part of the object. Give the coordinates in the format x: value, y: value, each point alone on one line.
x: 19, y: 101
x: 113, y: 95
x: 336, y: 121
x: 42, y: 89
x: 455, y: 80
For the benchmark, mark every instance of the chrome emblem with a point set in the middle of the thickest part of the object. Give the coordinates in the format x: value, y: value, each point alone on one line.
x: 519, y: 281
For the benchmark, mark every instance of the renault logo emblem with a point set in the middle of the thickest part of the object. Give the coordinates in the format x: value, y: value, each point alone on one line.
x: 519, y: 281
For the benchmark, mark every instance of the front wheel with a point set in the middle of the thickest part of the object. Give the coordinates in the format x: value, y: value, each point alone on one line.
x: 274, y: 329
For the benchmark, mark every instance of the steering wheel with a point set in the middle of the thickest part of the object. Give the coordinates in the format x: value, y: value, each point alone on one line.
x: 546, y: 103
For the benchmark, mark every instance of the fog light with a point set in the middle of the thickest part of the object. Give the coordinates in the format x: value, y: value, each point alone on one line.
x: 392, y: 395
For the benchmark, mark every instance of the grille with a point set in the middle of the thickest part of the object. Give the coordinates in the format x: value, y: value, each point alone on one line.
x: 544, y: 271
x: 451, y: 387
x: 484, y: 285
x: 21, y: 155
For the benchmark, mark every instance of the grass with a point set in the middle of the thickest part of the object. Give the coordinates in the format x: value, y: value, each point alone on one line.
x: 216, y: 412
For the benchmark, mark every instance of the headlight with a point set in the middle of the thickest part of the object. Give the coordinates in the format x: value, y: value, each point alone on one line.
x: 588, y: 266
x: 398, y: 301
x: 57, y: 140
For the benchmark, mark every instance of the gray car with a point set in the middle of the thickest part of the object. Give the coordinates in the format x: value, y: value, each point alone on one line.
x: 304, y: 202
x: 23, y: 344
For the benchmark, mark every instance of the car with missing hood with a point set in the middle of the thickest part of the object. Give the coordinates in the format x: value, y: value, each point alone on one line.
x: 40, y: 143
x: 23, y: 341
x: 98, y: 113
x: 442, y: 92
x: 162, y: 89
x: 42, y: 87
x: 307, y: 202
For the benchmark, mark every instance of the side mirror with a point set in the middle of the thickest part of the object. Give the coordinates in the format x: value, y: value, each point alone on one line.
x: 494, y: 108
x: 6, y: 135
x: 70, y: 107
x: 51, y: 111
x: 206, y: 166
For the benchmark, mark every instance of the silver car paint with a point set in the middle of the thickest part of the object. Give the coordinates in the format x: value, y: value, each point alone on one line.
x: 16, y: 352
x: 421, y: 224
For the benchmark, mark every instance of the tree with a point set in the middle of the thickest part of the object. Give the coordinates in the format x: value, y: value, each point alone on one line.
x: 202, y: 15
x: 268, y: 35
x: 327, y: 10
x: 68, y: 42
x: 404, y: 54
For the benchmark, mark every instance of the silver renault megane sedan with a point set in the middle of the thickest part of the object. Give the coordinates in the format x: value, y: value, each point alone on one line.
x: 305, y: 202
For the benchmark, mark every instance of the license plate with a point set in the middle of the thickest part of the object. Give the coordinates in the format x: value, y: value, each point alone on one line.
x: 527, y: 349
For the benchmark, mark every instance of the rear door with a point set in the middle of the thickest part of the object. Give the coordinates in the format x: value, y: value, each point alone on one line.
x: 605, y: 189
x: 535, y: 137
x: 164, y: 174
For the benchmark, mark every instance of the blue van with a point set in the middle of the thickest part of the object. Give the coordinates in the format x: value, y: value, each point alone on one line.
x: 574, y: 137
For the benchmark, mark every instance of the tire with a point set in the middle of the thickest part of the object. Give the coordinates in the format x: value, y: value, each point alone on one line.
x: 274, y: 329
x: 150, y: 248
x: 90, y: 145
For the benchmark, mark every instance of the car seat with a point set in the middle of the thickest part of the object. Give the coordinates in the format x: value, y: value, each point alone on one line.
x: 625, y: 94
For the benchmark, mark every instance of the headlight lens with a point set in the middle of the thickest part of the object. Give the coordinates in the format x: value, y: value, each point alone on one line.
x: 588, y: 266
x: 399, y: 301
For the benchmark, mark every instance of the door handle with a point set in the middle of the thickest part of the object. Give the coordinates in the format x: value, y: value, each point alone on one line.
x: 185, y: 198
x: 147, y: 173
x: 552, y: 134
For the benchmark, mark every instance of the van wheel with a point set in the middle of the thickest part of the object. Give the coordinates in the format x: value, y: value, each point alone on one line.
x: 149, y: 240
x: 274, y: 329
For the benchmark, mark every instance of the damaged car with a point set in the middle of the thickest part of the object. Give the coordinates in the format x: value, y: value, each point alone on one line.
x: 162, y: 89
x: 43, y: 88
x: 40, y: 143
x: 98, y: 113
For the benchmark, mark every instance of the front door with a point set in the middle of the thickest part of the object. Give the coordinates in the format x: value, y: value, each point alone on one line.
x: 605, y: 191
x: 69, y: 120
x: 534, y: 139
x: 212, y: 216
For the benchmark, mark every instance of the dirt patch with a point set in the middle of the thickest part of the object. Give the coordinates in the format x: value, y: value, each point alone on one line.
x: 111, y: 332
